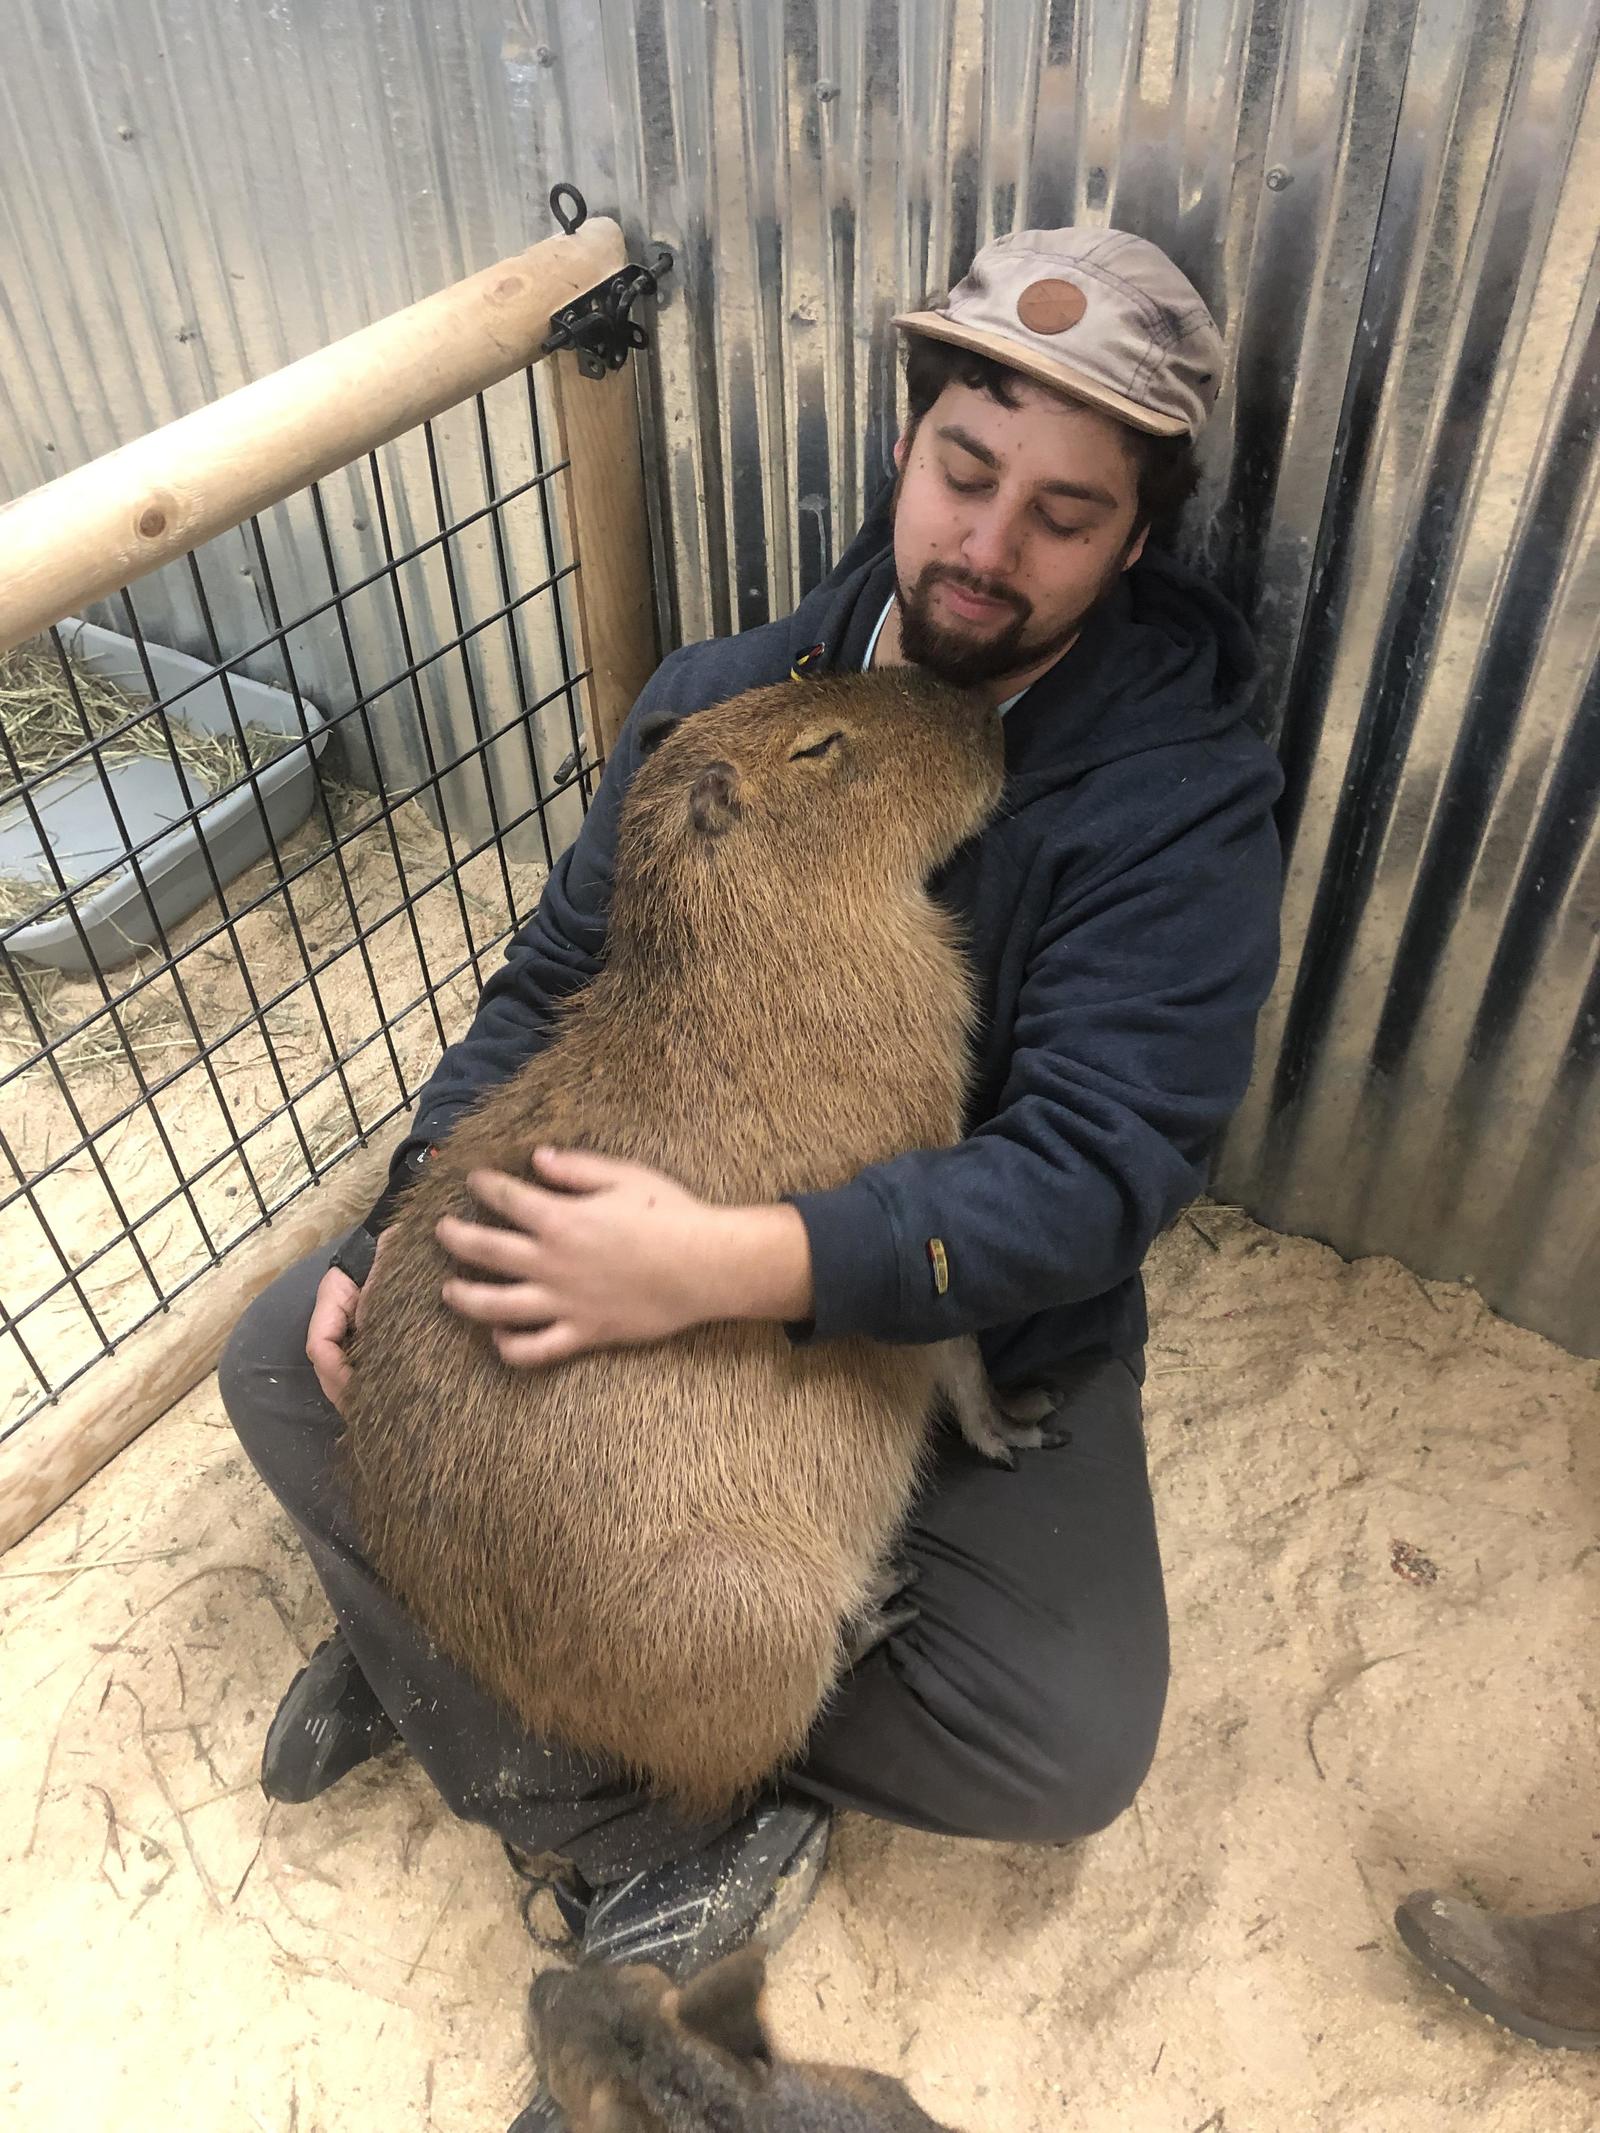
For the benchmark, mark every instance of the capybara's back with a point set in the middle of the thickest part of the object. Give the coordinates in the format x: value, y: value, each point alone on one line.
x: 651, y: 1553
x: 626, y: 2048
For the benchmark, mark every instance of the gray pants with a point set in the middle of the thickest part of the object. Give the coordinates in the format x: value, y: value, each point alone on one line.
x: 1022, y: 1704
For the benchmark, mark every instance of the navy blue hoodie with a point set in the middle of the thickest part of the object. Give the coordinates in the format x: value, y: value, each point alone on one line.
x: 1121, y: 913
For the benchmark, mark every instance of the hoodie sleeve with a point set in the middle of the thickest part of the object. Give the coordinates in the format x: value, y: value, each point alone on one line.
x: 1132, y: 1047
x: 556, y: 952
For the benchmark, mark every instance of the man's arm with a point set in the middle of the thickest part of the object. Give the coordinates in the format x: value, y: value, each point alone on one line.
x: 597, y: 1253
x: 1133, y: 1043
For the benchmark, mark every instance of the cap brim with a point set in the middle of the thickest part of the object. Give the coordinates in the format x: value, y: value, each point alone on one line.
x: 1060, y: 377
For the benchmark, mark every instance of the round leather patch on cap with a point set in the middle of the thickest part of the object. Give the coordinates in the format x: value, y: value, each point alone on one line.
x: 1051, y: 306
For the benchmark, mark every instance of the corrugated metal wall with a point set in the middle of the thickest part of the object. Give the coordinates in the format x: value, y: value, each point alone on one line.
x: 1390, y: 204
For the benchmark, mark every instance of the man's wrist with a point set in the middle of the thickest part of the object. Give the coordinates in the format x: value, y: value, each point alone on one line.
x: 760, y: 1264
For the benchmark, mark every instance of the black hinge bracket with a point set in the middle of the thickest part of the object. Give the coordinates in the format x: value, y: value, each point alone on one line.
x: 596, y: 325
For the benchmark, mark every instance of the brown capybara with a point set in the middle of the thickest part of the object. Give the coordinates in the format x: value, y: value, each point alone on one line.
x: 625, y: 2051
x: 659, y: 1554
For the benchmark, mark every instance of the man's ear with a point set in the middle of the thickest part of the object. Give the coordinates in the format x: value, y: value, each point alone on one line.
x: 723, y: 2006
x: 902, y: 445
x: 1136, y: 547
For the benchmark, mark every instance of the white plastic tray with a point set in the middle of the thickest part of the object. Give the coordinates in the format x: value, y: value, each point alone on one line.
x: 115, y: 916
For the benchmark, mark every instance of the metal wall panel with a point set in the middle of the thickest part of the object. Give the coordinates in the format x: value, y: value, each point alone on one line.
x: 1389, y: 203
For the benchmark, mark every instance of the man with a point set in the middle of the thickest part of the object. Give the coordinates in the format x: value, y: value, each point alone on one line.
x: 1121, y: 912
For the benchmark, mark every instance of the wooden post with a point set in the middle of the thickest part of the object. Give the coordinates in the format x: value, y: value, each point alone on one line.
x: 109, y: 523
x: 597, y: 422
x: 55, y: 1451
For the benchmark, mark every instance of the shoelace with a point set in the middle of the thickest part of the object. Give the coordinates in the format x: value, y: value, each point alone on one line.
x: 562, y: 1882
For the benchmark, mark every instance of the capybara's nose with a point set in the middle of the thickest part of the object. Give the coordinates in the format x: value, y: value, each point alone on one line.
x: 714, y: 798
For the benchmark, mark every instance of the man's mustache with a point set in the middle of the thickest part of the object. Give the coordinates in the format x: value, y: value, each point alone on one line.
x: 969, y: 581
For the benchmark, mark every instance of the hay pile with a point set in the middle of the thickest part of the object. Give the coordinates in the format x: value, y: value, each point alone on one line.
x: 51, y: 704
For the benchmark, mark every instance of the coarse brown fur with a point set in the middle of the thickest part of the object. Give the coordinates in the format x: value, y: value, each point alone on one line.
x: 624, y: 2051
x: 655, y: 1554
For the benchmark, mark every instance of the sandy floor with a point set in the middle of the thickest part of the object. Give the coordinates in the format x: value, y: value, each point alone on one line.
x: 174, y: 1954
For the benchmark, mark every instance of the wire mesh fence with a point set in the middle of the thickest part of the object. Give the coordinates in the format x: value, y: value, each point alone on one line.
x: 264, y: 830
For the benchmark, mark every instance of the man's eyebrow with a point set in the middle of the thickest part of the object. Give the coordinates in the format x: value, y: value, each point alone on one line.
x: 1080, y: 492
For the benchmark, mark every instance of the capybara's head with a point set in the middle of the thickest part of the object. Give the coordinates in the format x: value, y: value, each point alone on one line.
x: 613, y: 2043
x: 868, y: 776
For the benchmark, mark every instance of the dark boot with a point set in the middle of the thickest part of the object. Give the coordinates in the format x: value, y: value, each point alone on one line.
x: 757, y: 1877
x: 329, y: 1721
x: 1538, y: 1976
x: 543, y: 2115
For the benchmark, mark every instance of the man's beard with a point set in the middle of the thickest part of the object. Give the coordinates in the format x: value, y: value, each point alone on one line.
x: 961, y: 657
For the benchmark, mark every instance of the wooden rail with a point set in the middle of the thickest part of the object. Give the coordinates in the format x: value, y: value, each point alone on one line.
x: 51, y: 1455
x: 112, y: 522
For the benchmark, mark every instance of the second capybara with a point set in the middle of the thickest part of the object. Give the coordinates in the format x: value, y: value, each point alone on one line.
x: 625, y: 2051
x: 660, y: 1554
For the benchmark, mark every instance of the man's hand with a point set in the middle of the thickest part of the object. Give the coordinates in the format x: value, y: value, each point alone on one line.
x: 604, y: 1254
x: 334, y: 1315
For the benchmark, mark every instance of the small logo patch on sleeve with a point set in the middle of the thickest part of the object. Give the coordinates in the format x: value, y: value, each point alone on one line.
x: 939, y: 1260
x: 805, y: 661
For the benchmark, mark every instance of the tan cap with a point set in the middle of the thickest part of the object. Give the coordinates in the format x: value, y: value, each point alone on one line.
x: 1098, y: 314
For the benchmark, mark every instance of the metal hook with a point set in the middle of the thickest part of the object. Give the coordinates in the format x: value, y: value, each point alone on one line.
x: 571, y: 222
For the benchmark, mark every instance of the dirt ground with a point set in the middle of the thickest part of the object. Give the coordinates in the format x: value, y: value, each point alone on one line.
x: 1340, y: 1730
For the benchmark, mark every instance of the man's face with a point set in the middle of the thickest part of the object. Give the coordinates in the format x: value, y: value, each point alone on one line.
x: 1009, y: 524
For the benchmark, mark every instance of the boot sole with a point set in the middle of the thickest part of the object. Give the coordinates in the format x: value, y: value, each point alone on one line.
x: 791, y: 1899
x: 1484, y: 2000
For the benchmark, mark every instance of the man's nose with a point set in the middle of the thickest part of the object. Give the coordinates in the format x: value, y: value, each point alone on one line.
x: 990, y: 545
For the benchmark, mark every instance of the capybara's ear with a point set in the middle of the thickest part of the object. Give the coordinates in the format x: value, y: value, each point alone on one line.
x: 654, y: 729
x: 723, y: 2005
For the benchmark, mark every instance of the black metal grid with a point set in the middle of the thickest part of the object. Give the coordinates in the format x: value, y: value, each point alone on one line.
x: 228, y: 979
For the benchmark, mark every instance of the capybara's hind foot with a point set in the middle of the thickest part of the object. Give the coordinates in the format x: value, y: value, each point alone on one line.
x: 1018, y: 1417
x: 999, y: 1438
x: 998, y: 1427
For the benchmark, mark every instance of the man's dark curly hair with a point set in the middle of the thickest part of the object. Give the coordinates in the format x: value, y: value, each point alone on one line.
x: 1166, y: 470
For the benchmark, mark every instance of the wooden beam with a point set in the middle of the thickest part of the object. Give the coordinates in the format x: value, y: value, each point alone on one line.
x: 123, y: 515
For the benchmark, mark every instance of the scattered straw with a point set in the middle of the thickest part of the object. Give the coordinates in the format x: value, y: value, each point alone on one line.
x: 327, y: 1133
x: 17, y: 899
x: 44, y: 723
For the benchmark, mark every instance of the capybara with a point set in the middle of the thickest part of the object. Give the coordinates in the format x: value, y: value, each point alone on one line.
x: 625, y: 2051
x: 659, y: 1554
